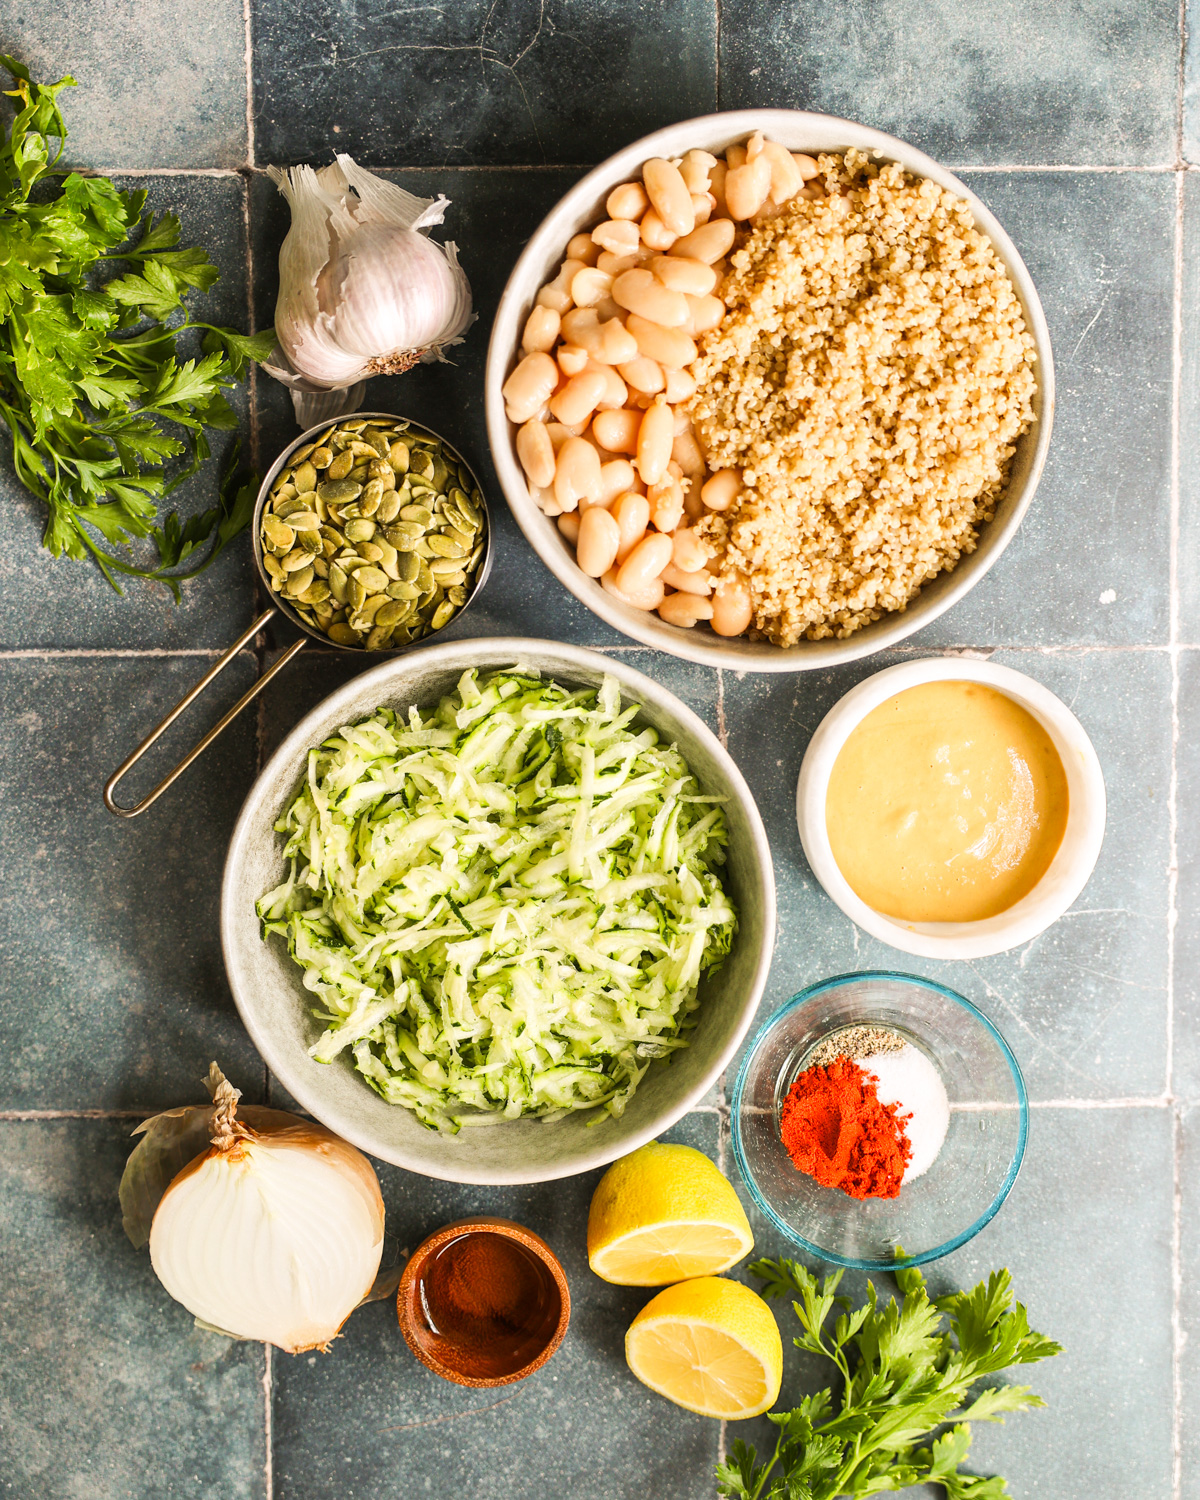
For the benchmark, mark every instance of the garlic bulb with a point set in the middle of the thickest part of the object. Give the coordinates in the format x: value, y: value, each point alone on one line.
x: 275, y: 1232
x: 363, y: 290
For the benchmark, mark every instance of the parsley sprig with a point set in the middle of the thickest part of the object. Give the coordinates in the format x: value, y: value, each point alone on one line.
x: 90, y: 371
x: 905, y: 1370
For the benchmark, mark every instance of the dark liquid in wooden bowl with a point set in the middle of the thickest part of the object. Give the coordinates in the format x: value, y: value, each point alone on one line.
x: 486, y: 1306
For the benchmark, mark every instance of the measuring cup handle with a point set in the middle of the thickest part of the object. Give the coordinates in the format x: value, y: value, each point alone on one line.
x: 186, y: 702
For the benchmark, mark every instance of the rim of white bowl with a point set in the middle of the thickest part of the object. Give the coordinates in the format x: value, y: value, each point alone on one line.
x: 494, y: 651
x: 1070, y: 869
x: 547, y: 244
x: 956, y: 1241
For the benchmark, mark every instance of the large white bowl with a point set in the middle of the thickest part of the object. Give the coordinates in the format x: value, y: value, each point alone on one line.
x: 1071, y: 867
x: 582, y: 208
x: 274, y: 1004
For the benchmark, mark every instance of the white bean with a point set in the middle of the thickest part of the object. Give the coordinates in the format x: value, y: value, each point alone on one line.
x: 697, y: 582
x: 786, y: 178
x: 735, y: 156
x: 583, y: 247
x: 590, y: 286
x: 695, y: 168
x: 681, y: 273
x: 807, y: 164
x: 666, y: 502
x: 617, y: 430
x: 707, y: 243
x: 556, y: 294
x: 568, y: 524
x: 616, y: 476
x: 629, y: 201
x: 689, y: 553
x: 685, y: 450
x: 732, y: 610
x: 716, y: 187
x: 643, y: 375
x: 641, y: 292
x: 648, y: 599
x: 578, y: 398
x: 615, y: 394
x: 615, y: 264
x: 746, y: 188
x: 680, y: 386
x: 577, y: 473
x: 684, y: 610
x: 620, y: 236
x: 599, y: 538
x: 722, y: 489
x: 654, y: 442
x: 632, y: 513
x: 704, y: 205
x: 536, y: 452
x: 644, y: 564
x: 571, y: 359
x: 703, y: 313
x: 655, y: 234
x: 559, y: 434
x: 529, y: 386
x: 669, y: 195
x: 670, y: 347
x: 541, y: 330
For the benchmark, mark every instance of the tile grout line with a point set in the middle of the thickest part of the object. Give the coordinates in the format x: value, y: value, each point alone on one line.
x: 259, y: 651
x: 720, y: 1109
x: 1173, y: 785
x: 992, y: 168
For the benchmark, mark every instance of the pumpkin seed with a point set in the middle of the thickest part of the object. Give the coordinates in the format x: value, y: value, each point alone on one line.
x: 343, y: 635
x: 299, y: 580
x: 403, y: 590
x: 398, y: 457
x: 295, y: 560
x: 457, y: 596
x: 277, y: 533
x: 274, y: 572
x: 286, y: 506
x: 321, y: 567
x: 441, y: 567
x: 310, y: 541
x: 321, y: 457
x: 393, y: 612
x: 369, y: 551
x: 304, y: 477
x: 341, y: 465
x: 405, y: 535
x: 379, y: 639
x: 424, y: 578
x: 444, y: 546
x: 407, y: 565
x: 315, y: 593
x: 339, y: 583
x: 304, y: 520
x: 419, y: 515
x: 359, y: 530
x: 389, y: 507
x: 339, y: 491
x: 372, y: 578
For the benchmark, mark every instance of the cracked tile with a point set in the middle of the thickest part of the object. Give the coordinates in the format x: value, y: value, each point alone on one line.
x: 476, y: 83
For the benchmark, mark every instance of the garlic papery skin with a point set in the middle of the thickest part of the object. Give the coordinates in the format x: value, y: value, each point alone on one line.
x: 362, y: 289
x: 273, y: 1234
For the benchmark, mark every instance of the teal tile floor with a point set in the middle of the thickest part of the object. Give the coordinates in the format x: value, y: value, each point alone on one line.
x: 1080, y: 126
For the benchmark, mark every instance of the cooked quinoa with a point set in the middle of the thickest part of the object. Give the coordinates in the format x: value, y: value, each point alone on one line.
x: 871, y: 378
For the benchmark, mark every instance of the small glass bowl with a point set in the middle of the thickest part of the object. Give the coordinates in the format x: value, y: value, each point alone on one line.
x: 980, y: 1157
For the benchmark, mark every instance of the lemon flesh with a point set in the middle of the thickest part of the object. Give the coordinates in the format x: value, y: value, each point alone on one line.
x: 665, y: 1213
x: 709, y: 1345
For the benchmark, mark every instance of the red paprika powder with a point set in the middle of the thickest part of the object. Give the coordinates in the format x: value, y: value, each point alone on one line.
x: 836, y: 1130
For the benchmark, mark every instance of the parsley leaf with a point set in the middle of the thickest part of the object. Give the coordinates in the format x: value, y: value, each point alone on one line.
x: 905, y: 1370
x: 93, y: 369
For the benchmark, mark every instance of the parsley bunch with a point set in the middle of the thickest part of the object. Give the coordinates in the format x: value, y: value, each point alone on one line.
x: 89, y: 368
x: 905, y: 1371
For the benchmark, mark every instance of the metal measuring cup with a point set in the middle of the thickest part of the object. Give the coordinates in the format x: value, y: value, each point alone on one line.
x: 280, y: 606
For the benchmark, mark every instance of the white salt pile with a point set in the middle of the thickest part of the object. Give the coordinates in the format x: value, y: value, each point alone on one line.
x: 910, y: 1081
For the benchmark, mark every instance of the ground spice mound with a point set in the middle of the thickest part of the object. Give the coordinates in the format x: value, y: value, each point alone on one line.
x: 871, y: 378
x: 836, y: 1130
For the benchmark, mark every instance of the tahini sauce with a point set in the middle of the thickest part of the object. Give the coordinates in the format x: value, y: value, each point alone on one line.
x: 946, y: 804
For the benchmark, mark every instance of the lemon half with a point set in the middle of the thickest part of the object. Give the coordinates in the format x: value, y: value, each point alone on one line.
x: 709, y: 1345
x: 665, y: 1213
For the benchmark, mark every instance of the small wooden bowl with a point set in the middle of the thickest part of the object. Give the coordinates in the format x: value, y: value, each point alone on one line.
x: 514, y: 1325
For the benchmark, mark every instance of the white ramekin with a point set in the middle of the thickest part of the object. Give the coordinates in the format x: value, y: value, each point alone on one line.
x: 1071, y: 867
